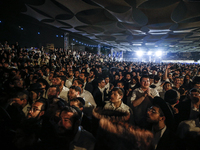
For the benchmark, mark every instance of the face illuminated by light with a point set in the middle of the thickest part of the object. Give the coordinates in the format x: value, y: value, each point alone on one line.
x: 72, y: 94
x: 145, y: 83
x: 36, y: 110
x: 115, y: 97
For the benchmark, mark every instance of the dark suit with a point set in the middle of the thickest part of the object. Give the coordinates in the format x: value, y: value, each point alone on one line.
x: 89, y: 87
x: 98, y: 97
x: 184, y: 111
x: 86, y: 123
x: 169, y: 141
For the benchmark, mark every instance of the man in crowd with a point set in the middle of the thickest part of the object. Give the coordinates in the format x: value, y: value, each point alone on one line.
x: 84, y: 93
x: 60, y: 81
x: 99, y: 93
x: 21, y: 100
x: 142, y: 100
x: 159, y: 115
x: 87, y: 86
x: 116, y: 102
x: 86, y: 122
x: 37, y: 109
x: 69, y: 126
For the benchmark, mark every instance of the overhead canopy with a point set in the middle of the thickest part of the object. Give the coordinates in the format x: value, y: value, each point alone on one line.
x: 171, y: 25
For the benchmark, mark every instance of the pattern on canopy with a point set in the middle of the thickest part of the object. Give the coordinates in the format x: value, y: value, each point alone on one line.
x: 122, y: 23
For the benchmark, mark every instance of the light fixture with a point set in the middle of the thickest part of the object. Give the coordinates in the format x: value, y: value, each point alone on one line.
x: 139, y: 53
x: 149, y: 52
x: 159, y: 53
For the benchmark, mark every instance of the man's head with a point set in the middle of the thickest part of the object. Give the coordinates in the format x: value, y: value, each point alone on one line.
x: 76, y: 74
x: 53, y: 91
x: 197, y: 85
x: 172, y: 97
x: 128, y: 76
x: 78, y: 82
x: 116, y: 95
x: 167, y: 86
x: 159, y: 74
x: 38, y: 109
x: 194, y: 95
x: 83, y: 76
x: 120, y: 84
x: 116, y: 77
x: 74, y: 92
x: 93, y: 73
x: 69, y: 121
x: 177, y: 81
x: 78, y: 102
x: 59, y: 80
x: 101, y: 83
x: 70, y: 74
x: 160, y: 114
x: 44, y: 84
x: 156, y: 79
x: 155, y: 115
x: 145, y: 82
x: 36, y: 91
x: 107, y: 79
x: 20, y: 99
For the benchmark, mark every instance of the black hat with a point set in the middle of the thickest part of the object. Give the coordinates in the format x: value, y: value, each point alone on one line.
x: 171, y: 96
x: 166, y: 109
x: 81, y: 100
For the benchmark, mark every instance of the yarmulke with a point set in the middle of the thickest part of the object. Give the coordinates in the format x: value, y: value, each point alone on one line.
x: 81, y: 100
x: 171, y: 96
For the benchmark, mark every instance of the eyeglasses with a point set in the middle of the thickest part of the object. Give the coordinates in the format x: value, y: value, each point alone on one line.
x: 34, y: 109
x: 152, y: 110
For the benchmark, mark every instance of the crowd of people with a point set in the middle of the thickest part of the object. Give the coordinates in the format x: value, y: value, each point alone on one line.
x: 64, y: 99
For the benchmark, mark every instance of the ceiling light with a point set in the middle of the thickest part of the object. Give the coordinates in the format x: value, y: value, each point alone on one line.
x: 137, y: 44
x: 159, y: 53
x: 149, y: 52
x: 139, y: 53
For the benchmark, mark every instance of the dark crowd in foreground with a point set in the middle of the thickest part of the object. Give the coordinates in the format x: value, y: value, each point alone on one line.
x: 70, y: 99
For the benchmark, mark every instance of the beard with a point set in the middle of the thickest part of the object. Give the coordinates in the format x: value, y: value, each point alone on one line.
x: 155, y: 121
x: 65, y: 133
x: 51, y: 98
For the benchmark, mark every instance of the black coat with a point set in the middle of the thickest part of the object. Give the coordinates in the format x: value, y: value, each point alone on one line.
x: 89, y: 87
x: 169, y: 141
x: 86, y: 123
x: 98, y: 97
x: 184, y: 111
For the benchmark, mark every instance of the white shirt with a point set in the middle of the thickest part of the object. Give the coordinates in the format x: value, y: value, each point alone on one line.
x: 88, y: 97
x: 158, y: 87
x: 107, y: 86
x: 122, y: 108
x: 68, y: 83
x: 153, y: 92
x: 63, y: 94
x: 71, y: 79
x: 102, y: 92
